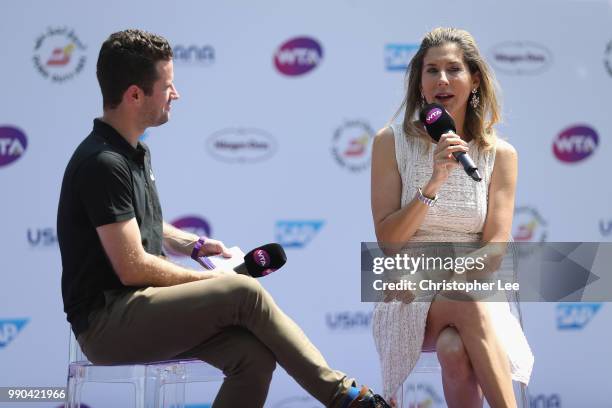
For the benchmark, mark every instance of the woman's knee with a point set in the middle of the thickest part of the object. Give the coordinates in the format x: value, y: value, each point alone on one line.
x: 467, y: 314
x: 452, y: 354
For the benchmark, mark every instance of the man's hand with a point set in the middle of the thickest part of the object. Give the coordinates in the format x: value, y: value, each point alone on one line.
x: 214, y: 247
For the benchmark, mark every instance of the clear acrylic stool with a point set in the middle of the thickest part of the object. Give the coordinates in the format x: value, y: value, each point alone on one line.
x: 156, y: 385
x: 420, y: 390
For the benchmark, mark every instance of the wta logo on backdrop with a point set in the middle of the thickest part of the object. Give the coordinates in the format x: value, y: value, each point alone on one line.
x: 59, y: 54
x: 575, y: 143
x: 13, y: 144
x: 9, y: 329
x: 298, y: 56
x: 352, y: 145
x: 191, y: 223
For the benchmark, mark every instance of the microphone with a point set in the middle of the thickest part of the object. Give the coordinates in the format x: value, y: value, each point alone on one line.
x: 262, y: 261
x: 438, y: 121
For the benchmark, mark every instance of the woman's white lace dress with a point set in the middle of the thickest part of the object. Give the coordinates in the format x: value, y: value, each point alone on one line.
x: 458, y: 216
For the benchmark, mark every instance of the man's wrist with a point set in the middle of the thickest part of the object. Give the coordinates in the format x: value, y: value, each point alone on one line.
x: 197, y: 245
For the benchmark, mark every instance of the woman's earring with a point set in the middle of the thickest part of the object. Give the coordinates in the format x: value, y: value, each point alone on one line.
x: 475, y: 101
x: 423, y: 101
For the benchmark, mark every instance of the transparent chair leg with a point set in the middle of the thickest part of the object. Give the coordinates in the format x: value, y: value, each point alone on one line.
x: 415, y: 395
x: 140, y: 391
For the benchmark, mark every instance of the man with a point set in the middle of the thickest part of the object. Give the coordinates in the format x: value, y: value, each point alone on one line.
x: 125, y: 302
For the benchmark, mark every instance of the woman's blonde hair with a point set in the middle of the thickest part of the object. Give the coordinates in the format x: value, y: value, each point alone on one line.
x: 479, y: 122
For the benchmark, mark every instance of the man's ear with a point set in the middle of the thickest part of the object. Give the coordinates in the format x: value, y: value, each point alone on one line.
x: 133, y: 95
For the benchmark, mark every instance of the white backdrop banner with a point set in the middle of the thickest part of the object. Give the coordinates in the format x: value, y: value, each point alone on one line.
x: 279, y: 105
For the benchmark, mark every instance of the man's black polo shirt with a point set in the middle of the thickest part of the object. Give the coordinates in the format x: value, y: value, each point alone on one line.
x: 106, y: 181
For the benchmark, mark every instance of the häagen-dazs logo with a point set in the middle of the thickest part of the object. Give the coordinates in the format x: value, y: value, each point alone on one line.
x: 575, y: 143
x: 298, y: 56
x: 433, y: 115
x: 241, y: 145
x: 352, y: 145
x: 520, y: 57
x: 191, y: 223
x: 13, y: 143
x: 59, y: 54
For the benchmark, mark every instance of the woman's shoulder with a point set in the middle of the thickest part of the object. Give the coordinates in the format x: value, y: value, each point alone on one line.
x: 384, y: 140
x: 504, y: 150
x: 385, y: 133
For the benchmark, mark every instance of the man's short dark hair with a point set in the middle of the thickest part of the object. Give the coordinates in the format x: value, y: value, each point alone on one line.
x: 128, y: 58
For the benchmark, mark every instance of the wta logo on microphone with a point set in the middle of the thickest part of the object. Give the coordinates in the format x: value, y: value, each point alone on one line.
x: 262, y: 258
x: 433, y: 115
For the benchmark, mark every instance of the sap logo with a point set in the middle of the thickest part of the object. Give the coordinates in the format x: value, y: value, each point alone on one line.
x: 194, y: 54
x: 521, y: 57
x: 9, y: 329
x: 42, y: 237
x: 433, y: 115
x: 298, y: 56
x: 241, y: 145
x: 545, y: 401
x: 13, y: 144
x: 398, y: 56
x: 605, y: 227
x: 348, y: 320
x: 575, y: 316
x: 296, y: 234
x: 575, y: 143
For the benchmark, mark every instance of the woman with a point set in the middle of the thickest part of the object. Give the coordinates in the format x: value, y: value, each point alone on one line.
x: 481, y: 346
